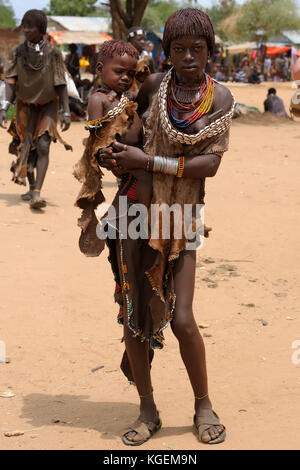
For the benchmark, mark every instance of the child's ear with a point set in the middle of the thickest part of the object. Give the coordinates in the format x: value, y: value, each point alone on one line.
x: 99, y: 68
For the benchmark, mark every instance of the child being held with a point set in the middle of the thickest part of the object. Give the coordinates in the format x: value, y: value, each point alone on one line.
x: 112, y: 116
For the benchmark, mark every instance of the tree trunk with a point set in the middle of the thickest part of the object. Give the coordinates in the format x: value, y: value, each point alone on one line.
x: 124, y: 19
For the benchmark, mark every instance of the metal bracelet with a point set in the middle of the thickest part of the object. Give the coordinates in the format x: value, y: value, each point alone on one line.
x: 67, y: 114
x: 166, y: 165
x: 5, y: 105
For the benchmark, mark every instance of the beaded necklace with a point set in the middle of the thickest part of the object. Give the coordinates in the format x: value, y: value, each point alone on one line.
x: 200, y: 106
x: 38, y: 48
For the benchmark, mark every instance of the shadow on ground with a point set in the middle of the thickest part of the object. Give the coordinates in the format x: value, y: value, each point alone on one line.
x: 15, y: 200
x: 109, y: 418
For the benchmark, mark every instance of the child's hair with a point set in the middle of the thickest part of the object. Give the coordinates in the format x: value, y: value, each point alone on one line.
x: 37, y: 18
x: 115, y: 48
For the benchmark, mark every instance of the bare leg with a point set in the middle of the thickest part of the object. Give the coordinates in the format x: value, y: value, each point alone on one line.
x: 43, y: 147
x: 191, y: 344
x: 31, y: 180
x: 138, y: 355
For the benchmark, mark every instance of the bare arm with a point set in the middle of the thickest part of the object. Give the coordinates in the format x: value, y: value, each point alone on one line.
x: 149, y: 87
x: 96, y: 111
x: 130, y: 158
x: 95, y: 107
x: 62, y: 93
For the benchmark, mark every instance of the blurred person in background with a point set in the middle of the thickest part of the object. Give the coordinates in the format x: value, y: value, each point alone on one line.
x: 72, y: 63
x: 273, y: 104
x: 35, y: 80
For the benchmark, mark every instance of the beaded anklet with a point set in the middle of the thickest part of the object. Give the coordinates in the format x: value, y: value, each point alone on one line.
x: 144, y: 396
x: 201, y: 398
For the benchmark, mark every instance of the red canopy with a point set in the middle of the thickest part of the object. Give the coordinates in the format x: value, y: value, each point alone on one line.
x: 277, y: 50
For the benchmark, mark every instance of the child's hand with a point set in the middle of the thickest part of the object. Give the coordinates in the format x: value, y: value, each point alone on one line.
x: 127, y: 157
x: 142, y: 74
x: 105, y: 161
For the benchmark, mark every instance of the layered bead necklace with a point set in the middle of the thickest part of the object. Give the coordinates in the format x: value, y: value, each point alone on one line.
x: 37, y: 61
x: 198, y: 101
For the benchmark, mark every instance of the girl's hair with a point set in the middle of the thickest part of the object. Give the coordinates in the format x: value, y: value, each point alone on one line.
x: 188, y: 22
x: 116, y: 48
x: 37, y: 18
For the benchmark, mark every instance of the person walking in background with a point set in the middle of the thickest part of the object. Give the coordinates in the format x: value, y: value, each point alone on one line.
x: 35, y: 78
x: 296, y: 69
x: 149, y: 49
x: 267, y: 67
x: 72, y: 63
x: 279, y: 65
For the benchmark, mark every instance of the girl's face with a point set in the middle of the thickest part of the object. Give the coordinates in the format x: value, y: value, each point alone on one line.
x: 32, y: 33
x: 189, y: 56
x: 118, y: 72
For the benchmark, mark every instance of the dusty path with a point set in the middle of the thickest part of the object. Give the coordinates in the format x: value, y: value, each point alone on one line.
x: 58, y: 317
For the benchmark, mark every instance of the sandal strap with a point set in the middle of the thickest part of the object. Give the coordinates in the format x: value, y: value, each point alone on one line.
x: 207, y: 421
x: 144, y: 429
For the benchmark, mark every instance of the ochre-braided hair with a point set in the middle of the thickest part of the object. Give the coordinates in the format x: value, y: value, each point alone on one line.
x: 115, y: 48
x: 188, y: 22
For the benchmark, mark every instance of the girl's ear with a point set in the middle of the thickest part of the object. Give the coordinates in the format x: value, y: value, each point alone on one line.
x: 99, y: 68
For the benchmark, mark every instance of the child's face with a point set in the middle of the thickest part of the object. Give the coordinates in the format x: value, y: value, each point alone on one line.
x: 118, y: 72
x: 32, y: 32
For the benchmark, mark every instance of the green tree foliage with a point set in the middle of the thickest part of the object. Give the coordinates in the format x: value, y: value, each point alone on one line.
x: 157, y: 13
x: 220, y: 11
x: 270, y: 16
x: 72, y: 7
x: 7, y: 19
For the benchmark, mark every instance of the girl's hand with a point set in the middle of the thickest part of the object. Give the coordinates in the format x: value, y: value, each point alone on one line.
x: 127, y: 157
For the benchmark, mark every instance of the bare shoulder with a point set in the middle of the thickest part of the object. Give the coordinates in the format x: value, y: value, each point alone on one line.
x: 97, y: 103
x: 154, y: 80
x: 151, y: 84
x: 148, y: 89
x: 223, y: 97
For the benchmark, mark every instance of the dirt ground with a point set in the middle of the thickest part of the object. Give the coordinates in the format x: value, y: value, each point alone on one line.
x: 58, y: 318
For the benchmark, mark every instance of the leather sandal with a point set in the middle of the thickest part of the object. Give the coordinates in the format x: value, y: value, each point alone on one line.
x: 203, y: 423
x: 144, y: 429
x: 37, y: 202
x: 27, y: 196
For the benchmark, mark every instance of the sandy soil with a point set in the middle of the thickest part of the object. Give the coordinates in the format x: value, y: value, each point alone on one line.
x: 58, y: 318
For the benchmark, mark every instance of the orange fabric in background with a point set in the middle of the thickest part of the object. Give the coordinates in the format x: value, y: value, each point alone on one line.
x: 277, y: 50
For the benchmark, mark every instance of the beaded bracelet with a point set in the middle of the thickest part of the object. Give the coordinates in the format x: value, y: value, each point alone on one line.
x: 148, y: 163
x: 180, y: 167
